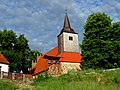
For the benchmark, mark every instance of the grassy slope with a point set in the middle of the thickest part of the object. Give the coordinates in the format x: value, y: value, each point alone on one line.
x: 7, y: 85
x: 83, y: 80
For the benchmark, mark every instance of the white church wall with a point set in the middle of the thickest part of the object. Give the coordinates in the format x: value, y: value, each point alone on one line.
x: 70, y: 45
x: 4, y: 67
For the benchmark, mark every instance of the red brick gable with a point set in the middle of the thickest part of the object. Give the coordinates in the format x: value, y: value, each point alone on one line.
x: 3, y: 59
x: 41, y: 65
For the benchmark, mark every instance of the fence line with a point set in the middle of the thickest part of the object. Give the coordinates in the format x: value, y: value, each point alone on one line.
x: 12, y: 76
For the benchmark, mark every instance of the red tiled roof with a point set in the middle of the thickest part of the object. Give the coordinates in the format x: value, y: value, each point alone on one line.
x: 3, y: 59
x: 65, y: 56
x: 52, y: 52
x: 41, y: 65
x: 70, y: 57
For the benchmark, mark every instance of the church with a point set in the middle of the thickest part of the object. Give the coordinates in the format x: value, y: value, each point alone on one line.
x: 62, y: 58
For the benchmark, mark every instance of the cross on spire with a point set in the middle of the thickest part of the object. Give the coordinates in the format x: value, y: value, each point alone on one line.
x: 66, y: 25
x: 66, y: 11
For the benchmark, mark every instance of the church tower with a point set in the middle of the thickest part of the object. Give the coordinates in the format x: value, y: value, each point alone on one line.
x: 65, y: 56
x: 68, y: 38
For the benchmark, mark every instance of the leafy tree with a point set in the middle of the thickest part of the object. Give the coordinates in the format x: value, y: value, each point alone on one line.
x: 16, y: 50
x: 115, y: 39
x: 7, y: 39
x: 22, y: 50
x: 98, y: 46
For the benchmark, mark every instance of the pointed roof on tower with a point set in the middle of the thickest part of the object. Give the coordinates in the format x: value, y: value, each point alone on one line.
x: 66, y: 22
x: 66, y: 26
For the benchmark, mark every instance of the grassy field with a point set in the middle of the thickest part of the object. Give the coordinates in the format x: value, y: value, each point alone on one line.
x: 82, y: 80
x: 7, y: 85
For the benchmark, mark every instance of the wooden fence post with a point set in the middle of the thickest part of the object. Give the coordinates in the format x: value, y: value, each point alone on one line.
x: 24, y: 78
x: 1, y: 74
x: 13, y: 76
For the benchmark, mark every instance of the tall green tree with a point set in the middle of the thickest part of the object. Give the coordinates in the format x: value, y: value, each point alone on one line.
x: 115, y: 39
x: 22, y: 51
x: 98, y: 46
x: 16, y: 50
x: 7, y: 39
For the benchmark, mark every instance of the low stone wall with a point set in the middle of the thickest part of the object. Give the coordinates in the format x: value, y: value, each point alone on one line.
x: 67, y: 66
x: 54, y: 69
x: 63, y: 67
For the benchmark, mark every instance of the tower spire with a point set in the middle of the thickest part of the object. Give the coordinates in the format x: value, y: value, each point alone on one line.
x: 68, y: 38
x: 66, y: 22
x: 66, y: 25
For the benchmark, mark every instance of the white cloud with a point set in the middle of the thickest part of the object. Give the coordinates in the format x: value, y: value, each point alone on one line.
x: 42, y: 20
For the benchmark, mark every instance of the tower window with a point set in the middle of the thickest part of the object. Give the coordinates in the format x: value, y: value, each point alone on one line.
x: 70, y: 38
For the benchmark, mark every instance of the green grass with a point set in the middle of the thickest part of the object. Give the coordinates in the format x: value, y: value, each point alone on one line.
x: 7, y: 85
x: 82, y: 80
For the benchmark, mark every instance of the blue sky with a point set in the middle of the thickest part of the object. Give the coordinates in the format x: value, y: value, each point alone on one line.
x: 42, y: 20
